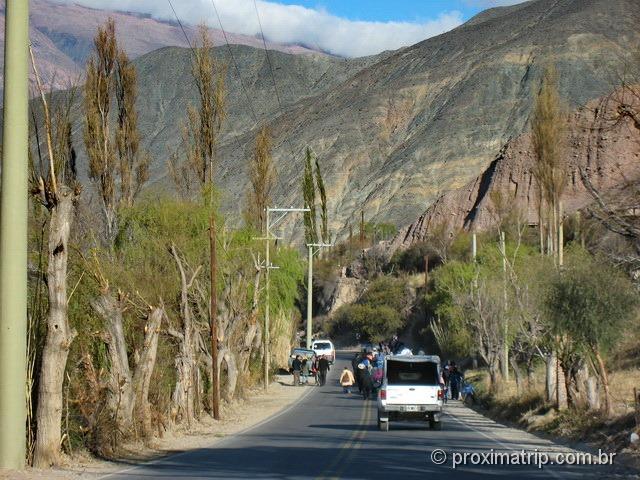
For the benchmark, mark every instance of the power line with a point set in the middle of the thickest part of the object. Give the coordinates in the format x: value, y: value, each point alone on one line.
x: 273, y: 76
x: 235, y: 64
x: 181, y: 27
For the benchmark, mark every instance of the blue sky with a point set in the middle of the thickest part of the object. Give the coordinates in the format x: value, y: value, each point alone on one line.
x: 348, y: 28
x: 397, y: 10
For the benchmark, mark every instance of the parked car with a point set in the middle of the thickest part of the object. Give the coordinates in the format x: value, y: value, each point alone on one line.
x: 304, y: 353
x: 326, y: 348
x: 411, y: 390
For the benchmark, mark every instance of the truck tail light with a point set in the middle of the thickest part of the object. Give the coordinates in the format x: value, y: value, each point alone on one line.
x: 440, y: 394
x: 383, y: 394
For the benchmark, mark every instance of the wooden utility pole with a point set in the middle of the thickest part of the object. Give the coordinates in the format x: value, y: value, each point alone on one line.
x: 215, y: 374
x: 13, y: 238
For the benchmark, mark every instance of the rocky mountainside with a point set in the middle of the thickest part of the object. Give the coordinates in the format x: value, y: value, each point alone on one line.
x: 430, y: 117
x: 62, y: 36
x: 600, y: 143
x: 394, y: 132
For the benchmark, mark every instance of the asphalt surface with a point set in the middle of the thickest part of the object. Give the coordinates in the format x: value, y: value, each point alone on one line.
x: 330, y: 435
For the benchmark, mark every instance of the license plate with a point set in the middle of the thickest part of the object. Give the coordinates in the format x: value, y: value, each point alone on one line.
x: 411, y: 408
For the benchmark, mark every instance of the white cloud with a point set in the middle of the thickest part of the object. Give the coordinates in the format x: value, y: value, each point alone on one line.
x: 291, y: 23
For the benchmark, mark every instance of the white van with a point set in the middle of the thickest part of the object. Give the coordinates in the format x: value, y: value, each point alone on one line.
x: 411, y: 390
x: 324, y: 347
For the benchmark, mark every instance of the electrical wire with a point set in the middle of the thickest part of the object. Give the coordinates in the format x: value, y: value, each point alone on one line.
x: 235, y: 65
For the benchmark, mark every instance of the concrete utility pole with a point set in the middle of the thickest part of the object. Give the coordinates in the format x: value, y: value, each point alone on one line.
x: 505, y: 346
x: 268, y: 237
x: 311, y: 247
x: 13, y: 238
x: 474, y: 247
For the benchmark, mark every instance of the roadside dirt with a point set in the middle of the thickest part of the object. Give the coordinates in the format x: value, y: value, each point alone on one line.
x: 236, y: 417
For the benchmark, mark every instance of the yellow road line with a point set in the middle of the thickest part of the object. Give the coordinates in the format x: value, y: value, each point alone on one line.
x: 348, y: 449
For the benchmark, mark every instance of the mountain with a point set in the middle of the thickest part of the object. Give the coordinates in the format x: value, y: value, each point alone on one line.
x: 395, y: 131
x: 600, y: 144
x: 62, y: 37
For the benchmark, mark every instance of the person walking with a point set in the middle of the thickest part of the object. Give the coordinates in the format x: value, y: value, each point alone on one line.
x: 323, y: 368
x: 305, y: 370
x: 366, y: 382
x: 346, y: 380
x: 296, y: 367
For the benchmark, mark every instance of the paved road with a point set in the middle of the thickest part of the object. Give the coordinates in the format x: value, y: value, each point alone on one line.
x: 329, y: 435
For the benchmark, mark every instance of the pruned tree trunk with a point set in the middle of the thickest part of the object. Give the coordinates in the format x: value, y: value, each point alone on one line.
x: 59, y: 335
x: 517, y: 374
x: 120, y: 396
x: 550, y: 376
x: 593, y: 399
x: 229, y: 359
x: 184, y: 393
x: 605, y: 381
x: 144, y: 370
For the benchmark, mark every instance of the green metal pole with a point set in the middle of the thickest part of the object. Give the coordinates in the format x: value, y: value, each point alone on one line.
x: 13, y: 238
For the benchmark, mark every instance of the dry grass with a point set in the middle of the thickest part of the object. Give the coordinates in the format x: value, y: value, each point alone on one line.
x: 529, y: 409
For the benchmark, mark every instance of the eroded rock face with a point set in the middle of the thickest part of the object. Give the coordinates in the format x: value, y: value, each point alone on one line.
x: 601, y: 141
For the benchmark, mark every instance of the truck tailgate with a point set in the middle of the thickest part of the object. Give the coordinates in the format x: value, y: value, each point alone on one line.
x: 412, y: 395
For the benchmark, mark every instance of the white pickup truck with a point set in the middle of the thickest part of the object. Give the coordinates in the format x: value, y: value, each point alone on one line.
x: 411, y: 390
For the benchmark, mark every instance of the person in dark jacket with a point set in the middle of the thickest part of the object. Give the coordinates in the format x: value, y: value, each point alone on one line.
x: 323, y: 368
x: 296, y: 366
x: 366, y: 382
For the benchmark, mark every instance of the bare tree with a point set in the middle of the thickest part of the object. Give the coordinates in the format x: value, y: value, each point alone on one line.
x: 54, y: 185
x: 133, y: 163
x: 262, y: 175
x: 550, y: 170
x: 113, y: 158
x: 200, y: 135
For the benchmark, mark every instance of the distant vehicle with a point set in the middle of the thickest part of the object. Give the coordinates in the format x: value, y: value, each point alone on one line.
x: 326, y: 348
x: 303, y: 352
x: 410, y: 390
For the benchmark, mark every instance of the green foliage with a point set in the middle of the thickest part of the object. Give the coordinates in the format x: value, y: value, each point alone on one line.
x: 590, y: 301
x: 324, y: 219
x: 412, y: 260
x: 380, y: 312
x: 379, y: 231
x: 309, y: 196
x: 450, y: 281
x: 373, y: 323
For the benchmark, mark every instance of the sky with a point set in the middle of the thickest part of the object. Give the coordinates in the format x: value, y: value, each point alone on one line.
x: 349, y: 28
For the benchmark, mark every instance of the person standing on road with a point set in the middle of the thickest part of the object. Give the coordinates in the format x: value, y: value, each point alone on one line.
x: 323, y: 368
x: 305, y: 370
x: 365, y: 380
x: 346, y: 380
x: 296, y: 366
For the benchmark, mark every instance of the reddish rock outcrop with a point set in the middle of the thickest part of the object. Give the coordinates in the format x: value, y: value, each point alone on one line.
x: 602, y: 140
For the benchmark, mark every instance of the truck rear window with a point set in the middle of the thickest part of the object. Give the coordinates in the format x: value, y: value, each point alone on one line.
x: 409, y: 373
x: 322, y: 346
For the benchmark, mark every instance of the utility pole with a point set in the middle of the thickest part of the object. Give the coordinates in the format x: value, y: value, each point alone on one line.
x: 215, y: 374
x: 505, y: 345
x: 474, y: 247
x: 268, y: 237
x: 13, y: 238
x: 426, y: 272
x: 311, y: 247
